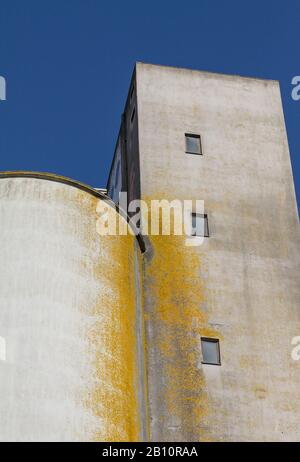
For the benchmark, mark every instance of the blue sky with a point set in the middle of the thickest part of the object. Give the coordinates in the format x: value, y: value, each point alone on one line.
x: 68, y: 63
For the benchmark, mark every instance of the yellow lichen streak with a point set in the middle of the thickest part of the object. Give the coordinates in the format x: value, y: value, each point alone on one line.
x: 112, y: 395
x: 175, y: 321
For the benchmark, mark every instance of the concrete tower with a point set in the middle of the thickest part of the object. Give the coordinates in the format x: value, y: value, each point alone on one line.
x: 123, y: 337
x: 196, y: 135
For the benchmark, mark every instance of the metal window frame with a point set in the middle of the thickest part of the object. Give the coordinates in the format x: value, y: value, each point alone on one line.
x: 206, y: 227
x: 211, y: 340
x: 194, y: 135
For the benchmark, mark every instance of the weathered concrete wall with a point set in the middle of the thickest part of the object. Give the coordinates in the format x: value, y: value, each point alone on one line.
x: 242, y: 284
x: 68, y: 316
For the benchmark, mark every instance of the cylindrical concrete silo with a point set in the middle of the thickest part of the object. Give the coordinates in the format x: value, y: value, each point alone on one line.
x: 69, y: 309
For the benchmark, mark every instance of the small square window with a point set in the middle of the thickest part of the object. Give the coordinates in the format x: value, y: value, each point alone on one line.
x: 193, y: 144
x: 200, y: 225
x: 210, y: 351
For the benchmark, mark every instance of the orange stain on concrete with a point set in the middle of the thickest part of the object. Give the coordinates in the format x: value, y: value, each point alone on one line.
x: 176, y: 321
x: 111, y: 340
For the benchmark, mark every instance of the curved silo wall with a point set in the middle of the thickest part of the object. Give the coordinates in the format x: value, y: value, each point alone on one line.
x: 68, y: 305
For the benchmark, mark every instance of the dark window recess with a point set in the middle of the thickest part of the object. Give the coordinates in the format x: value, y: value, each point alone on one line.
x: 200, y: 225
x: 193, y: 144
x: 132, y: 115
x: 132, y: 93
x: 210, y: 351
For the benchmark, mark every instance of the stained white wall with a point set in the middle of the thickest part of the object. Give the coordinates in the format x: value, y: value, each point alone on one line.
x: 249, y: 266
x: 63, y: 318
